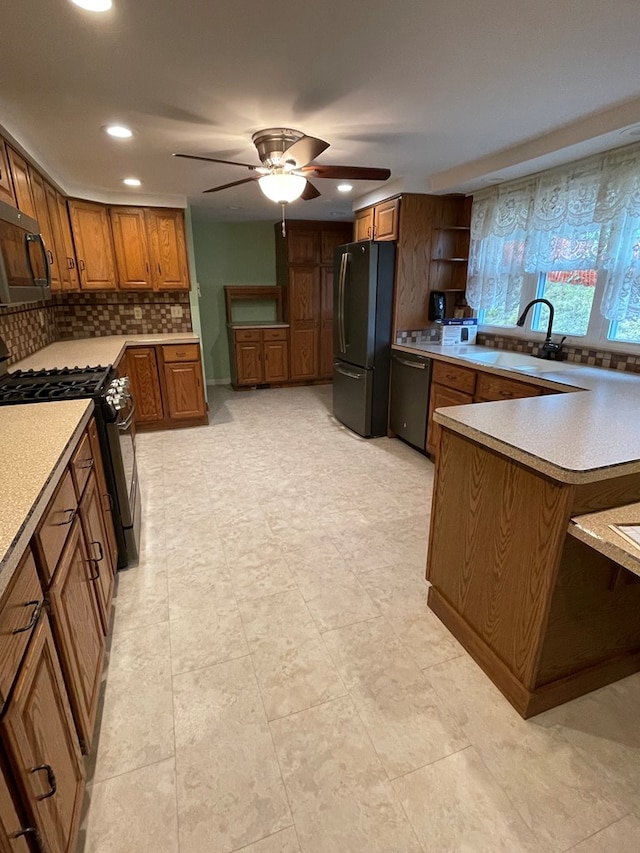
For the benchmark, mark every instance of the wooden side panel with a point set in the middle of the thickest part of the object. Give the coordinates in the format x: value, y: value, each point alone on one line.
x: 592, y: 497
x: 413, y: 260
x: 21, y: 183
x: 131, y: 248
x: 142, y: 368
x: 185, y: 396
x: 92, y: 237
x: 6, y: 185
x: 496, y: 534
x: 78, y: 631
x: 38, y: 730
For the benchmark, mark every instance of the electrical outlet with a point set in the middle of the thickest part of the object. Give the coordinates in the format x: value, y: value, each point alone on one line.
x: 176, y: 311
x: 41, y: 318
x: 137, y: 312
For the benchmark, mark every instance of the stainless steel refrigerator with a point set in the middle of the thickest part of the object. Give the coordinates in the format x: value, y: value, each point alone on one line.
x: 362, y: 310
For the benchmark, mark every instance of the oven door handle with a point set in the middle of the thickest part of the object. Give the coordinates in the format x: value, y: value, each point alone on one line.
x: 124, y: 426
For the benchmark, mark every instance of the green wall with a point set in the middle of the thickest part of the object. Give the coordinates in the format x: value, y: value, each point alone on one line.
x: 228, y: 253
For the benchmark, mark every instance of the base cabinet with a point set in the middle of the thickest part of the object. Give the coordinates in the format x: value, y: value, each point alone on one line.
x: 142, y: 370
x: 259, y: 356
x: 40, y: 739
x: 185, y: 397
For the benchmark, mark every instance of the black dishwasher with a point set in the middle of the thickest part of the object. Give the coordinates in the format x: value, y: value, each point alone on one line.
x: 409, y: 398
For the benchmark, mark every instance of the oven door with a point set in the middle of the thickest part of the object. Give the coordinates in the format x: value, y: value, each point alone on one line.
x: 126, y: 474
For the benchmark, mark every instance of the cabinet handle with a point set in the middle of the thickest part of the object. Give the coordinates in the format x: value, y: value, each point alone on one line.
x: 94, y: 562
x: 180, y: 354
x: 85, y: 463
x: 107, y: 495
x: 100, y: 551
x: 33, y: 832
x: 50, y: 256
x: 159, y: 270
x: 72, y: 515
x: 369, y: 231
x: 81, y: 262
x: 51, y: 779
x: 146, y: 264
x: 37, y: 606
x: 506, y: 394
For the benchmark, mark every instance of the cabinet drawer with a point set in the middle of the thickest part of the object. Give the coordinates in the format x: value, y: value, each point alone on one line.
x: 274, y: 334
x: 55, y: 526
x: 82, y: 462
x: 460, y: 378
x: 180, y: 352
x: 492, y: 387
x: 242, y: 335
x: 19, y: 612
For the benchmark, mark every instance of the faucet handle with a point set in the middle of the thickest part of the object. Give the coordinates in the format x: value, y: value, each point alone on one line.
x: 553, y: 350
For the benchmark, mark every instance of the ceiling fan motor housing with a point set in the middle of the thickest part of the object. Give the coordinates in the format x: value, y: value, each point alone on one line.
x: 273, y: 142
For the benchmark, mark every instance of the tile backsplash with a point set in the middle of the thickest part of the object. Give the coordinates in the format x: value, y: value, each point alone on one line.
x: 28, y: 328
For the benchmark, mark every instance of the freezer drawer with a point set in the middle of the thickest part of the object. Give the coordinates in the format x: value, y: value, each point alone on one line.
x: 409, y: 398
x: 353, y: 397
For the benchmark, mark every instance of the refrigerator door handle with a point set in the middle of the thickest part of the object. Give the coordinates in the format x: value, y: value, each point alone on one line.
x: 344, y: 260
x: 347, y: 372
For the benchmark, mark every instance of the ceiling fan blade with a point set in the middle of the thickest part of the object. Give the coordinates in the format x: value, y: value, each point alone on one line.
x: 213, y: 160
x: 347, y: 173
x: 309, y: 192
x: 303, y: 151
x: 232, y: 184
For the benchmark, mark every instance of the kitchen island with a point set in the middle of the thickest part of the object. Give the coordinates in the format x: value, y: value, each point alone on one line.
x: 547, y: 615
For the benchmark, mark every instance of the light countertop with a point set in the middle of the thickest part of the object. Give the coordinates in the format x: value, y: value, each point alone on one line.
x: 36, y: 443
x: 259, y: 324
x: 593, y: 529
x: 589, y: 435
x: 96, y: 351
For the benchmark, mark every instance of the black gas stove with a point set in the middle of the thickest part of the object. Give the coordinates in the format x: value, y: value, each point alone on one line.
x: 66, y: 383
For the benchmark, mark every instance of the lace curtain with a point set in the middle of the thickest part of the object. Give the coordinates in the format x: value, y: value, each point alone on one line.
x: 582, y: 216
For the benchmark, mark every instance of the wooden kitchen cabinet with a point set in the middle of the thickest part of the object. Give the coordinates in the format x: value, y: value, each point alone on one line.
x: 101, y: 564
x: 142, y: 370
x: 490, y: 388
x: 439, y: 397
x: 42, y: 748
x: 72, y: 279
x: 131, y: 247
x: 379, y: 222
x: 94, y: 247
x: 106, y: 501
x: 21, y: 183
x: 46, y: 230
x: 60, y: 249
x: 248, y: 360
x: 14, y: 831
x: 6, y: 184
x: 167, y: 247
x: 260, y: 356
x: 185, y: 393
x: 304, y: 316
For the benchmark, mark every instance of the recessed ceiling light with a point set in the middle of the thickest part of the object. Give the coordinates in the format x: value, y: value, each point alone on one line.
x: 119, y: 131
x: 132, y: 182
x: 344, y: 188
x: 93, y: 5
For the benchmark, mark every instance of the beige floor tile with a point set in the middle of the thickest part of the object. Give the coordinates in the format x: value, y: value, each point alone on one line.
x: 230, y: 792
x: 198, y: 590
x: 293, y: 678
x: 134, y: 812
x: 282, y: 842
x: 456, y: 805
x: 621, y: 837
x: 137, y: 720
x: 400, y: 710
x: 560, y: 796
x: 341, y: 602
x: 206, y: 638
x: 282, y: 618
x: 260, y: 571
x: 141, y: 598
x: 341, y: 799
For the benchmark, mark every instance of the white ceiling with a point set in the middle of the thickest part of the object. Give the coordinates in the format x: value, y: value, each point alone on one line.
x: 444, y: 93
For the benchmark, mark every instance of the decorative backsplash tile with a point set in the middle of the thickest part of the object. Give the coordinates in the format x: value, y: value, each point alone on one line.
x: 418, y: 336
x: 27, y: 328
x: 82, y: 315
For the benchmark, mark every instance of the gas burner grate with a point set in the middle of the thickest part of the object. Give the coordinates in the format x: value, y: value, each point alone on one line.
x: 33, y: 386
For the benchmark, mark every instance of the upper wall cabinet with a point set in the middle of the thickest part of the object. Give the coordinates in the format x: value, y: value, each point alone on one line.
x: 44, y: 221
x: 379, y: 222
x: 21, y: 183
x: 167, y: 245
x: 94, y: 249
x: 131, y: 248
x: 6, y: 185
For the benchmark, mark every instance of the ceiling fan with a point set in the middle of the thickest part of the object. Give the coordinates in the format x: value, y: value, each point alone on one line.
x: 287, y: 164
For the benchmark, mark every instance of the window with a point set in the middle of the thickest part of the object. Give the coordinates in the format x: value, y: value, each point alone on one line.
x: 570, y: 235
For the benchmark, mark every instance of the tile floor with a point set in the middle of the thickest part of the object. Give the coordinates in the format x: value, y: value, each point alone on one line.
x: 276, y: 683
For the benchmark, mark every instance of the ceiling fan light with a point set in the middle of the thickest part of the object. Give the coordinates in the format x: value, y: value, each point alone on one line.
x: 282, y: 188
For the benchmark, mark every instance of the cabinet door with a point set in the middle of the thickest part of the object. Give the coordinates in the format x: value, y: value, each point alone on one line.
x: 276, y: 361
x: 21, y: 183
x: 304, y: 353
x: 44, y: 223
x: 303, y: 246
x: 13, y: 831
x: 440, y: 397
x: 304, y: 294
x: 95, y: 532
x: 363, y: 225
x: 38, y: 733
x: 69, y: 248
x: 385, y: 225
x: 167, y: 248
x: 185, y: 395
x: 249, y: 363
x: 329, y: 242
x: 63, y: 271
x: 6, y: 186
x: 142, y: 369
x: 77, y: 629
x: 92, y: 238
x: 131, y: 248
x: 106, y: 501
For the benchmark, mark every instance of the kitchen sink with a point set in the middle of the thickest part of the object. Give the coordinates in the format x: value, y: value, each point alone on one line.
x: 520, y: 361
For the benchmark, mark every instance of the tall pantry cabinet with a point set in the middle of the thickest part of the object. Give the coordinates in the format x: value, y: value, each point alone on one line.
x: 304, y: 270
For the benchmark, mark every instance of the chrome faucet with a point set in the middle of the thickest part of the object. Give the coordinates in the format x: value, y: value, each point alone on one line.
x: 549, y: 348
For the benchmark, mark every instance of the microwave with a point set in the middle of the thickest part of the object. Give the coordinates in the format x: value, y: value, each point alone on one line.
x: 25, y: 275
